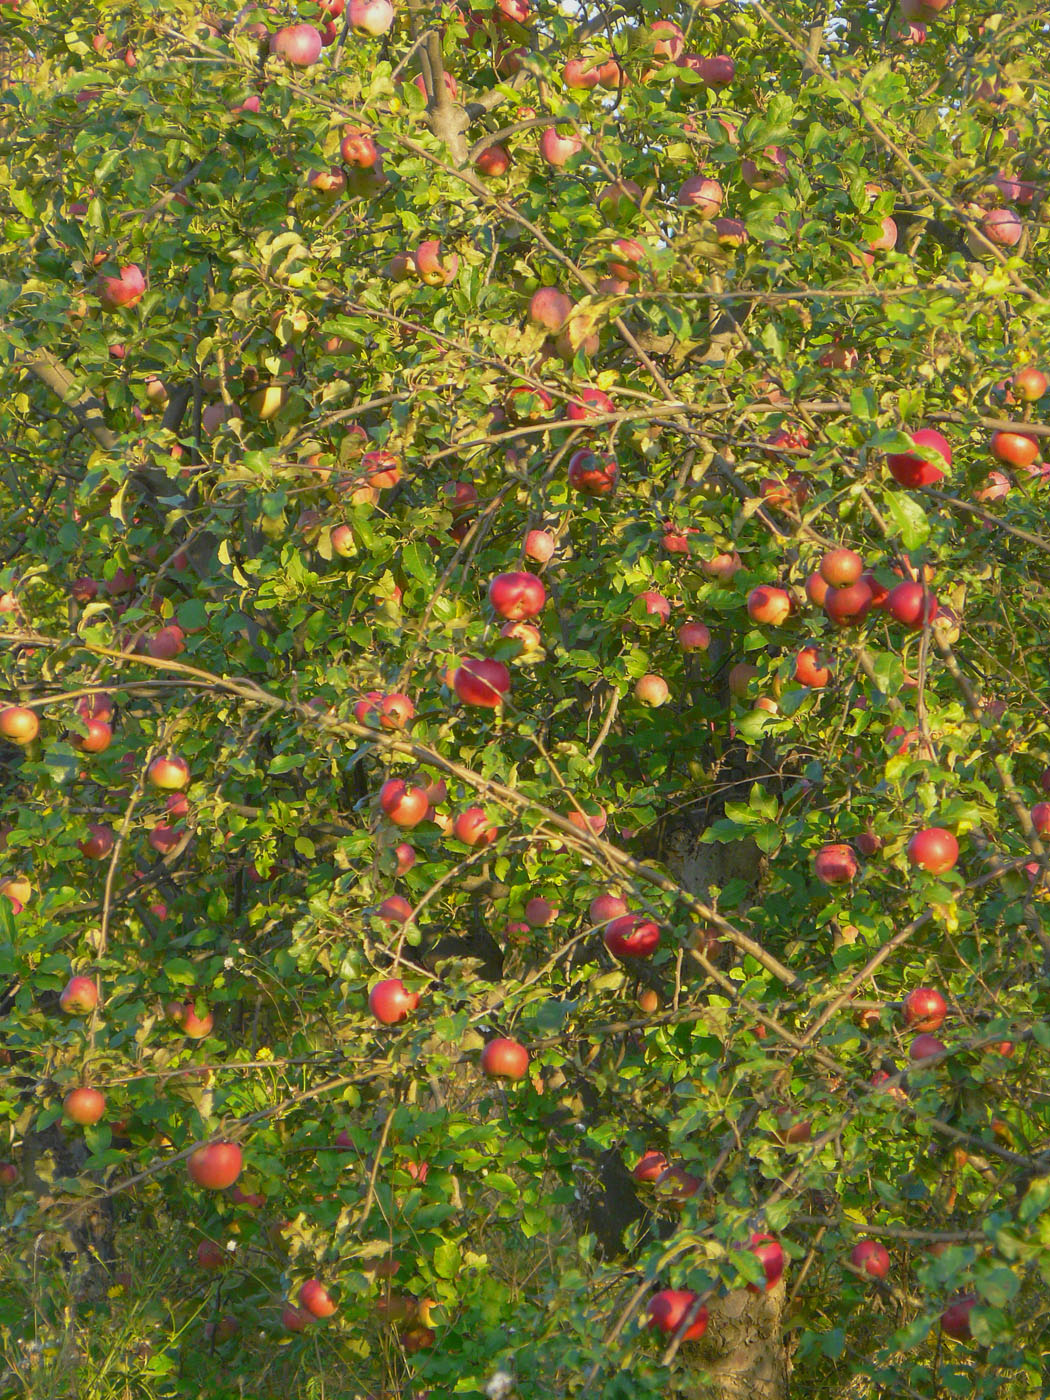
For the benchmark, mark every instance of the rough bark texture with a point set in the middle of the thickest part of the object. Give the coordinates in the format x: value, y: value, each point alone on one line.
x: 743, y: 1349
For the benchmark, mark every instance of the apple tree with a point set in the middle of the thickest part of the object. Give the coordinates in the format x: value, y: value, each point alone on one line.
x: 524, y: 756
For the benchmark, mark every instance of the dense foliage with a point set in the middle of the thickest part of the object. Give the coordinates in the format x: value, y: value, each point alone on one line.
x: 306, y: 347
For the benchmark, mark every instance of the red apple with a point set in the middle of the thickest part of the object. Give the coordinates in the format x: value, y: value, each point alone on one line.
x: 955, y: 1320
x: 1015, y: 449
x: 169, y: 773
x: 924, y: 1047
x: 79, y: 996
x: 481, y: 682
x: 652, y: 690
x: 540, y: 912
x: 558, y: 150
x: 656, y: 605
x: 694, y: 636
x: 605, y: 907
x: 99, y: 841
x: 313, y: 1296
x: 540, y: 545
x: 817, y: 589
x: 676, y: 1185
x: 911, y: 603
x: 847, y: 605
x: 550, y: 308
x: 84, y: 1105
x: 1029, y: 384
x: 933, y: 849
x: 297, y: 44
x: 405, y: 805
x: 504, y: 1059
x: 126, y: 290
x: 19, y: 724
x: 517, y: 595
x: 871, y: 1257
x: 841, y: 567
x: 211, y: 1255
x: 197, y: 1027
x: 434, y: 268
x: 632, y: 936
x: 768, y: 1252
x: 918, y: 467
x: 1002, y: 227
x: 216, y: 1165
x: 593, y: 473
x: 295, y: 1319
x: 702, y: 195
x: 670, y: 1308
x: 811, y: 668
x: 493, y: 161
x: 835, y: 865
x: 651, y: 1165
x: 390, y: 1001
x: 768, y: 605
x: 473, y: 828
x: 924, y: 1009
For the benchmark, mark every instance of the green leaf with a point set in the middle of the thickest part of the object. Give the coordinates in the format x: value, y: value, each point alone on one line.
x: 909, y: 518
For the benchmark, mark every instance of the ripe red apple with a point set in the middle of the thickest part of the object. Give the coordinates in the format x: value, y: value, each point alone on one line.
x: 924, y: 1009
x: 676, y: 1185
x: 434, y: 268
x: 669, y: 1309
x: 924, y: 1047
x: 504, y: 1059
x: 191, y: 1024
x: 594, y: 822
x: 817, y: 589
x: 1041, y: 817
x: 871, y: 1257
x: 216, y: 1165
x: 295, y: 1319
x: 169, y: 773
x: 390, y: 1001
x: 912, y: 604
x: 473, y: 828
x: 593, y: 473
x: 811, y: 668
x: 847, y: 605
x: 694, y: 636
x: 8, y: 1173
x: 580, y: 75
x: 540, y: 545
x: 481, y: 682
x: 739, y: 679
x: 632, y: 936
x: 835, y: 864
x: 768, y: 1252
x: 919, y: 467
x: 84, y: 1105
x: 651, y: 1165
x: 1029, y: 384
x: 313, y: 1296
x: 19, y: 724
x: 933, y: 849
x: 768, y: 605
x: 99, y: 841
x: 605, y: 907
x: 79, y: 996
x: 550, y: 308
x: 652, y: 690
x: 1002, y: 227
x: 702, y: 195
x: 765, y: 179
x: 656, y: 605
x: 405, y: 805
x: 297, y: 44
x: 358, y: 148
x: 841, y: 567
x: 955, y: 1320
x: 126, y: 290
x: 517, y: 595
x: 1015, y: 449
x: 211, y: 1255
x: 493, y: 161
x: 540, y: 912
x: 558, y: 150
x: 792, y: 1131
